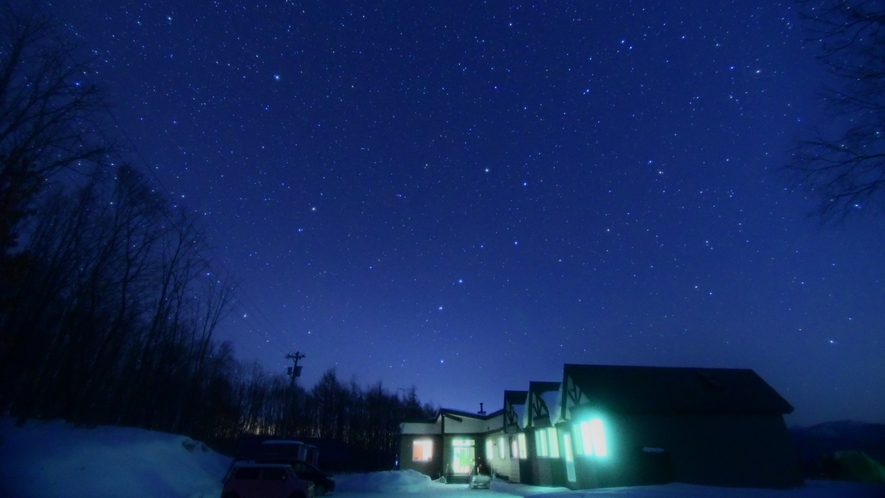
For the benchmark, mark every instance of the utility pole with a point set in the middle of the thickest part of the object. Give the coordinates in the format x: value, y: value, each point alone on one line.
x: 295, y: 370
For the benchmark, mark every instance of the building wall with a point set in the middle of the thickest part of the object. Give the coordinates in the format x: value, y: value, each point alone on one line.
x: 502, y: 467
x: 467, y: 425
x: 509, y: 466
x: 513, y: 473
x: 549, y: 470
x: 717, y: 450
x: 421, y: 427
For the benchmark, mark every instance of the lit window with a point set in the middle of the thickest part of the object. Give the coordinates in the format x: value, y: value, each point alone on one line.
x: 541, y: 443
x: 522, y: 449
x: 554, y: 442
x: 514, y: 448
x: 598, y: 436
x: 586, y: 445
x: 422, y: 450
x: 593, y: 438
x: 502, y: 448
x: 490, y: 450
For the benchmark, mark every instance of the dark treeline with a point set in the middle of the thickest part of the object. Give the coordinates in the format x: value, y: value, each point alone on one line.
x: 108, y: 296
x: 366, y: 419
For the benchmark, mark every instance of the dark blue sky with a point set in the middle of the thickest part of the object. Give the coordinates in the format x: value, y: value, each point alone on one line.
x: 464, y: 196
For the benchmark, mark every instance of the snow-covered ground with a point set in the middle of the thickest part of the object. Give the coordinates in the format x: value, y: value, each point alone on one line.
x: 414, y: 485
x: 56, y: 460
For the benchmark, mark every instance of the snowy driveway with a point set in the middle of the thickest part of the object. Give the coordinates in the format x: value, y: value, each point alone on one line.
x: 399, y: 486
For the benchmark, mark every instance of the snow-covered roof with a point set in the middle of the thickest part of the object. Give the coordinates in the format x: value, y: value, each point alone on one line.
x: 556, y: 410
x: 521, y: 415
x: 551, y: 399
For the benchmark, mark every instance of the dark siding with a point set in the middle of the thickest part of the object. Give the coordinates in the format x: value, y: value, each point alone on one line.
x: 528, y: 466
x: 557, y: 473
x: 714, y: 450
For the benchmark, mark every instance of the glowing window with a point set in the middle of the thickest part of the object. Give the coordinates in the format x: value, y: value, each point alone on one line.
x: 586, y: 443
x: 422, y: 450
x: 554, y: 442
x: 541, y: 443
x: 514, y: 448
x: 522, y: 447
x: 490, y: 450
x: 593, y: 438
x: 597, y: 434
x: 502, y: 448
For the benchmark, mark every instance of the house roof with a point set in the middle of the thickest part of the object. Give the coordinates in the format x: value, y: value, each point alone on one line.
x: 451, y: 412
x: 675, y: 390
x: 460, y: 413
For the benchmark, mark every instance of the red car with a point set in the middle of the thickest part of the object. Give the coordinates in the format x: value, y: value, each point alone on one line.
x: 264, y: 480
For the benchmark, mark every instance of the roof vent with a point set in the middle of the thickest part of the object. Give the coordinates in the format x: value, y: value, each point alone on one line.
x: 481, y: 411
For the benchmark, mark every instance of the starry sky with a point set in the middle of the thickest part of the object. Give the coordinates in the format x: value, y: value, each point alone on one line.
x: 463, y: 196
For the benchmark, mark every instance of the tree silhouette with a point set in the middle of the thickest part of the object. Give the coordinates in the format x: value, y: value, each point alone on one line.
x: 47, y: 113
x: 843, y: 161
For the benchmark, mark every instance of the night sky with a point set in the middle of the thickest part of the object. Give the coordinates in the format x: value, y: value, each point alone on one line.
x: 464, y: 196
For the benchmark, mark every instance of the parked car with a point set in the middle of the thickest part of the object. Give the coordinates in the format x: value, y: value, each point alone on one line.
x: 323, y: 482
x: 264, y: 480
x: 480, y: 476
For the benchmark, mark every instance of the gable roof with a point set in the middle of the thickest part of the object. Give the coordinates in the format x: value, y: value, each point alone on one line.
x: 541, y: 401
x: 670, y: 390
x: 514, y: 407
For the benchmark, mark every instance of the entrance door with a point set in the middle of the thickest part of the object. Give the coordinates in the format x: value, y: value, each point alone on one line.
x: 463, y: 455
x: 569, y: 457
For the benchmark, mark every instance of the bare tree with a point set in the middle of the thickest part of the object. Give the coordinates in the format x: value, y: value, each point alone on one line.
x: 843, y: 162
x: 47, y: 113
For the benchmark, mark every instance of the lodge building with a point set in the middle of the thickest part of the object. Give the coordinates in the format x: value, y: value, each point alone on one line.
x: 603, y: 426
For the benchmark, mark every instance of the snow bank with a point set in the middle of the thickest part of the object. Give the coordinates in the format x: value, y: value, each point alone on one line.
x: 55, y: 459
x: 814, y: 489
x: 406, y: 481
